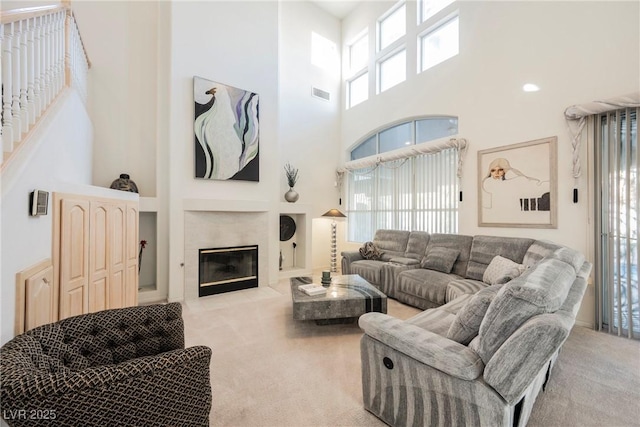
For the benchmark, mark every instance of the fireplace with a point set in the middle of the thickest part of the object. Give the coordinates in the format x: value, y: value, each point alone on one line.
x: 227, y: 269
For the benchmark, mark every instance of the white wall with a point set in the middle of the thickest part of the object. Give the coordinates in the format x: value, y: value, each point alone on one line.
x: 309, y: 135
x: 61, y: 155
x: 236, y: 44
x: 575, y: 51
x: 121, y: 39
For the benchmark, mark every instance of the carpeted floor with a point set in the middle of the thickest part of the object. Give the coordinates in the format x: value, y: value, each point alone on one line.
x: 269, y: 370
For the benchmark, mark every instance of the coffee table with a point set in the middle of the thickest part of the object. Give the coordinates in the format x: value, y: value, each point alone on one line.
x: 347, y: 298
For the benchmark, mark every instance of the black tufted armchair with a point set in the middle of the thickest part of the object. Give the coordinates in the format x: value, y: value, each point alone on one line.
x: 123, y: 367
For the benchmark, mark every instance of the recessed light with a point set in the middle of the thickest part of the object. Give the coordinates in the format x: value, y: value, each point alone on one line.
x: 530, y: 87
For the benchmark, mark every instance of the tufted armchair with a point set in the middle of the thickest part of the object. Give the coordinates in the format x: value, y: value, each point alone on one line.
x: 123, y: 367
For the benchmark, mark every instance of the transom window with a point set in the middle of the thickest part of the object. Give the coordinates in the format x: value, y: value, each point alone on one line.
x: 392, y: 26
x: 429, y: 8
x: 439, y: 44
x: 404, y: 134
x: 392, y: 70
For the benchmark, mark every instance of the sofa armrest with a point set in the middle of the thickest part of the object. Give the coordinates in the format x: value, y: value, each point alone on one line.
x: 347, y: 258
x: 427, y: 347
x: 43, y: 385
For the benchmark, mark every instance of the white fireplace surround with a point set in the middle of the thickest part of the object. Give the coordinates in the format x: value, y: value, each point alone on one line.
x: 205, y: 229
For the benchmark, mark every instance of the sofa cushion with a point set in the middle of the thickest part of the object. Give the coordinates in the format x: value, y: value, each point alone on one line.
x: 501, y: 270
x: 466, y: 325
x: 392, y: 242
x: 459, y: 287
x: 541, y: 290
x: 428, y: 286
x: 370, y: 251
x: 417, y: 245
x: 440, y: 259
x: 460, y: 242
x: 537, y: 251
x: 435, y: 320
x: 369, y: 270
x: 484, y: 248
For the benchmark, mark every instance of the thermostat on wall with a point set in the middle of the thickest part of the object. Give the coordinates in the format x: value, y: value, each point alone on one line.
x: 38, y: 202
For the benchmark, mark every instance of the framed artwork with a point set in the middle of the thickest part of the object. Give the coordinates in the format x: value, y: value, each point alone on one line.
x: 226, y: 128
x: 518, y: 185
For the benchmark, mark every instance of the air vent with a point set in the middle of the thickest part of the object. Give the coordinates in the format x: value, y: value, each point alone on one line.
x: 319, y: 93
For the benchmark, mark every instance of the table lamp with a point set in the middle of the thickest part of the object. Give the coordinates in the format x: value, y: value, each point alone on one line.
x: 333, y: 214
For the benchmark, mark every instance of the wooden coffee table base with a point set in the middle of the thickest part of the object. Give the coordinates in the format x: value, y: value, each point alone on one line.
x: 347, y: 298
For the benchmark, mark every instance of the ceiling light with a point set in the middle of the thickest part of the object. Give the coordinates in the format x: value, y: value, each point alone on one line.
x: 530, y: 87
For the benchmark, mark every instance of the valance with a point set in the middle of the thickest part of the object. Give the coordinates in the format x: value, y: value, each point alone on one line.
x: 576, y: 116
x: 430, y: 147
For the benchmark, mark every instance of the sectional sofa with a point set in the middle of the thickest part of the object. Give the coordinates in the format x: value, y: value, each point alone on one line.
x: 497, y: 311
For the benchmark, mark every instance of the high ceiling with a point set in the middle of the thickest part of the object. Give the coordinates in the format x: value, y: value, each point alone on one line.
x: 338, y: 8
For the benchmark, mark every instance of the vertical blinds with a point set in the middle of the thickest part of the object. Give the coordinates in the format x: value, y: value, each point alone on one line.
x: 415, y: 193
x: 618, y: 211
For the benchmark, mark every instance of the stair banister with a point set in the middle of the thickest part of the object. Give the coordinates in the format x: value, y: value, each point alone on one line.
x: 42, y: 53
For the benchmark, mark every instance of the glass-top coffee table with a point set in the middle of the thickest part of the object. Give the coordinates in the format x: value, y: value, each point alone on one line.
x: 347, y: 298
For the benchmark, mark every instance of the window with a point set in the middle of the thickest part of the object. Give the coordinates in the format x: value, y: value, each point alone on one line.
x: 358, y: 90
x: 359, y: 54
x: 392, y: 27
x: 392, y: 70
x: 439, y: 44
x: 618, y: 207
x: 416, y: 193
x: 429, y: 8
x: 400, y: 135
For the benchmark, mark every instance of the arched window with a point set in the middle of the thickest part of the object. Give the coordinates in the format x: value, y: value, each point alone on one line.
x: 405, y: 133
x: 397, y: 179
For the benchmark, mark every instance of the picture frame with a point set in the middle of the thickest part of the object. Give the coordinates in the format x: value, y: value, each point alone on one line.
x: 517, y: 185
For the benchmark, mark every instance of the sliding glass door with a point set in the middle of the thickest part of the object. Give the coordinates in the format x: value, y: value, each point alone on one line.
x: 617, y: 225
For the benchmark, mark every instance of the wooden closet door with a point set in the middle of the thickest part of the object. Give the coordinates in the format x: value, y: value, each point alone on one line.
x: 74, y: 257
x: 117, y: 233
x: 98, y: 255
x: 132, y: 248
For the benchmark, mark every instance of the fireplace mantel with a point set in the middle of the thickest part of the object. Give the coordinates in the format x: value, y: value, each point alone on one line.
x: 220, y: 205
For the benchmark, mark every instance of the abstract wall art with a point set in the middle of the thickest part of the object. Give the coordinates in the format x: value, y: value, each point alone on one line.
x: 518, y: 185
x: 226, y: 131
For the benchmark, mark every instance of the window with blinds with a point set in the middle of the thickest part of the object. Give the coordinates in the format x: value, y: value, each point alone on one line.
x: 617, y: 208
x: 416, y: 193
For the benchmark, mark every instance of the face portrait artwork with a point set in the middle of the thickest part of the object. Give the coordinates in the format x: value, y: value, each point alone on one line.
x: 515, y: 185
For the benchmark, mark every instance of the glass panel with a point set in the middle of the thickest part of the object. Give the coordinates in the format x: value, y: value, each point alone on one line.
x: 428, y: 8
x: 359, y: 54
x: 440, y: 44
x: 396, y: 137
x: 365, y: 149
x: 359, y: 90
x: 393, y: 70
x: 436, y: 127
x: 393, y: 27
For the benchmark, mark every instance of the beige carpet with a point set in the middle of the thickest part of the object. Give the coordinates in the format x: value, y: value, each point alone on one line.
x: 269, y: 370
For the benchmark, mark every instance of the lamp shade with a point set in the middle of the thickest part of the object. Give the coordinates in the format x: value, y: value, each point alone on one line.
x: 334, y: 213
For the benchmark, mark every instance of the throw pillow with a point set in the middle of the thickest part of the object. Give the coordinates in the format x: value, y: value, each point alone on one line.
x: 441, y: 259
x: 501, y: 270
x: 466, y: 325
x: 370, y: 251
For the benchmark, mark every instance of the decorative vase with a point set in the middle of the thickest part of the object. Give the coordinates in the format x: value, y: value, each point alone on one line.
x: 124, y: 183
x: 291, y: 196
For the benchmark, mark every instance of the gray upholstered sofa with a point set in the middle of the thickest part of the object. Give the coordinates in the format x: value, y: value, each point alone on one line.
x: 482, y: 357
x: 403, y: 271
x: 121, y: 367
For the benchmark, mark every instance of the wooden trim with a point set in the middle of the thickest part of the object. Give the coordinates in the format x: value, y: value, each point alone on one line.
x: 30, y: 12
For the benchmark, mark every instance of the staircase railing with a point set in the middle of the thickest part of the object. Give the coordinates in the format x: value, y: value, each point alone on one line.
x: 42, y: 54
